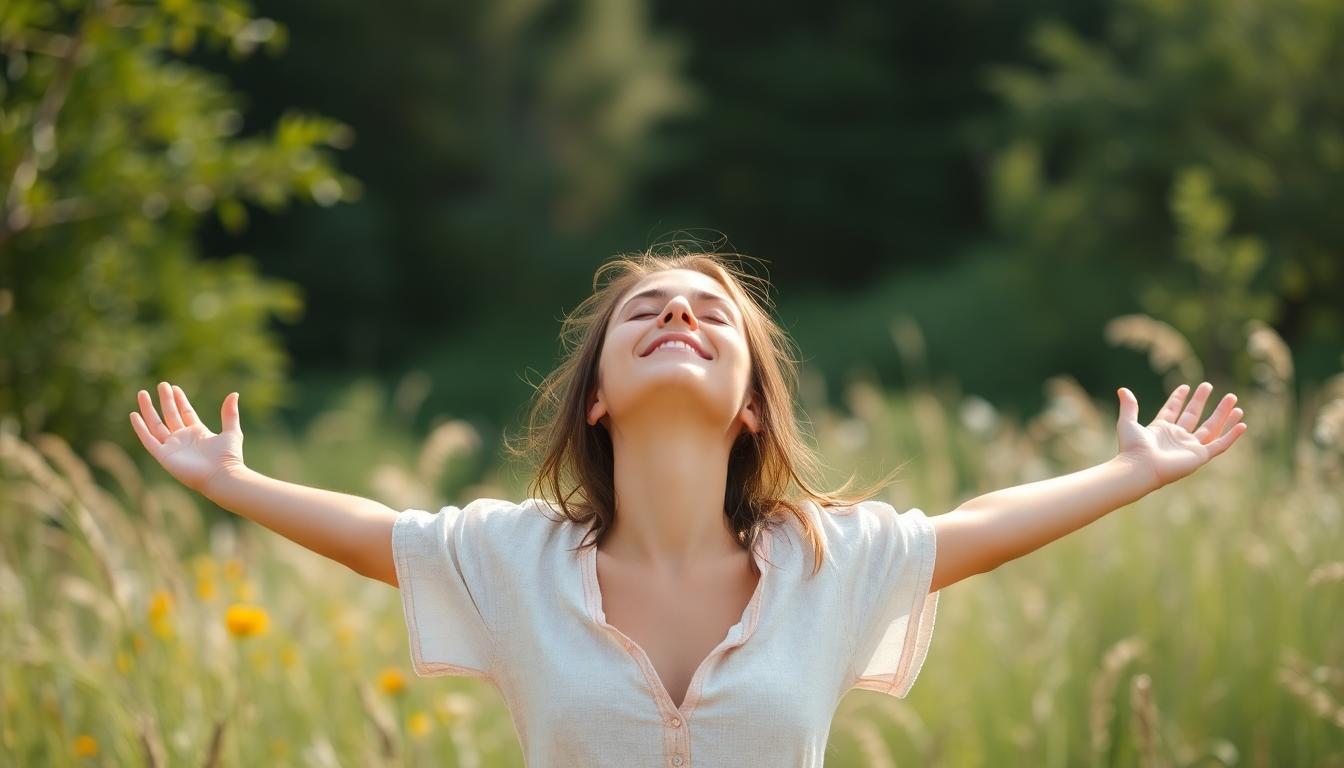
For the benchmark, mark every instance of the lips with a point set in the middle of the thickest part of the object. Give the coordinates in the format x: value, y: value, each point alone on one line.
x: 686, y: 337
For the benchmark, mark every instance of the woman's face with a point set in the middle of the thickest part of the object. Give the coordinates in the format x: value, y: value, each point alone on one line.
x: 675, y: 382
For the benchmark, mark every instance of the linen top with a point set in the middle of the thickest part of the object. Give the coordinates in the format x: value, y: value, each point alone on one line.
x: 491, y: 590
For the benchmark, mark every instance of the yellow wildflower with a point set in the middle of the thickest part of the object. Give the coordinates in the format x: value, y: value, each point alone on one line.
x: 162, y: 627
x: 279, y: 749
x: 345, y: 634
x: 160, y: 604
x: 204, y: 565
x: 86, y: 746
x: 289, y: 655
x: 205, y: 588
x: 392, y: 681
x: 245, y: 591
x: 124, y: 662
x: 233, y: 569
x: 246, y: 620
x: 419, y: 724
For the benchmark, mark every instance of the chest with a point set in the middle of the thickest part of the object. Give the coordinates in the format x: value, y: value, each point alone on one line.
x: 676, y: 624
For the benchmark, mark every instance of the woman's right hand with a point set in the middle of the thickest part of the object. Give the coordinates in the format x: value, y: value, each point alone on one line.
x: 181, y: 442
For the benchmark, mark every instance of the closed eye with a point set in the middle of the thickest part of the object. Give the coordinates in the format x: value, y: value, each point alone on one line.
x: 650, y: 314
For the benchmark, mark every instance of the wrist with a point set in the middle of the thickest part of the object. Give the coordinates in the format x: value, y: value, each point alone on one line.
x: 219, y: 486
x: 1143, y: 475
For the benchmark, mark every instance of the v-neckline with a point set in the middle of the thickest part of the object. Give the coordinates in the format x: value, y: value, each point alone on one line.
x: 737, y: 634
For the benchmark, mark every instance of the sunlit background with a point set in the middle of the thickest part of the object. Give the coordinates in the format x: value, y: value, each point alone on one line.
x: 979, y: 219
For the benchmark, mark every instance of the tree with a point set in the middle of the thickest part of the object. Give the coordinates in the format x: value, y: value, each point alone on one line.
x: 1093, y: 145
x: 112, y: 150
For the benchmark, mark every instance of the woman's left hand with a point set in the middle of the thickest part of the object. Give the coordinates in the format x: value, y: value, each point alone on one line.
x: 1169, y: 446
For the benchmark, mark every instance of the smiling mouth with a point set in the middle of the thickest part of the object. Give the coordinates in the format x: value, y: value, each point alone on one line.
x: 672, y: 347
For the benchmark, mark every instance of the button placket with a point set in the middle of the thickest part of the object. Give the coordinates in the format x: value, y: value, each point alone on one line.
x: 678, y: 740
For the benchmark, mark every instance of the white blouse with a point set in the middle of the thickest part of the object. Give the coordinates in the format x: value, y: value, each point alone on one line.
x: 492, y: 590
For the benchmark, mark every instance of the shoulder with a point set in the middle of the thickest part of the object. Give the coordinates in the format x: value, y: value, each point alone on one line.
x: 504, y: 516
x: 484, y: 520
x: 864, y: 522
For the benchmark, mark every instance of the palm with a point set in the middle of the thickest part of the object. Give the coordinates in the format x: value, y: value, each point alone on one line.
x: 1170, y: 446
x: 192, y: 454
x: 181, y: 442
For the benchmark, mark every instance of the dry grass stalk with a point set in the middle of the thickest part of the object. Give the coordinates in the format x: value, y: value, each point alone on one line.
x: 212, y: 753
x: 117, y: 463
x: 446, y: 442
x: 1273, y: 367
x: 1145, y: 721
x: 29, y: 459
x: 1117, y: 657
x: 871, y: 745
x: 1302, y: 683
x: 181, y: 503
x: 909, y: 340
x: 1169, y: 352
x: 149, y: 742
x: 1327, y: 573
x: 379, y: 720
x: 24, y: 458
x: 1329, y: 427
x: 1073, y: 418
x: 906, y: 719
x: 410, y: 393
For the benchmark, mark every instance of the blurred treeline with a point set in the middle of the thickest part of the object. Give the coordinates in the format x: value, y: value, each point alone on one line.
x: 1009, y: 177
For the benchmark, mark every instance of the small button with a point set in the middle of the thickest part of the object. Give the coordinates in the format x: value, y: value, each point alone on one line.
x: 676, y: 722
x: 676, y: 759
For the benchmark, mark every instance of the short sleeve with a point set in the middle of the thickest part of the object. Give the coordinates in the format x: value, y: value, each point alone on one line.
x: 890, y: 609
x: 444, y: 596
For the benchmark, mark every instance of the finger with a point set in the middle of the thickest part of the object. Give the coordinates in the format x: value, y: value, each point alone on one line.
x: 228, y: 413
x: 146, y: 439
x: 1190, y: 416
x: 1217, y: 420
x: 1129, y: 405
x: 171, y: 418
x: 1225, y: 442
x: 151, y: 417
x: 1170, y: 408
x: 189, y: 417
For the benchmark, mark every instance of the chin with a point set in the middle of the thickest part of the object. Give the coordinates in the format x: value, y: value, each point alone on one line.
x: 677, y: 393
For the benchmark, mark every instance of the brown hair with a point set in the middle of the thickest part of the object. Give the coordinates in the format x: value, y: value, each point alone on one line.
x: 575, y: 458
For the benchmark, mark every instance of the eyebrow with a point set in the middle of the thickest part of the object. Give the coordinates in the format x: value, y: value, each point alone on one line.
x: 662, y: 293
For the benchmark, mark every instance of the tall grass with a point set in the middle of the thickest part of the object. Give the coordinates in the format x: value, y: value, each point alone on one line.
x: 1202, y: 625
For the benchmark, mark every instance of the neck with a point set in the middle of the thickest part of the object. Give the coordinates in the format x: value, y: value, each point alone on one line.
x: 671, y: 478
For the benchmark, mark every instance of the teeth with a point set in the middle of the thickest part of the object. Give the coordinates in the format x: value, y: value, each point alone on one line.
x: 674, y: 343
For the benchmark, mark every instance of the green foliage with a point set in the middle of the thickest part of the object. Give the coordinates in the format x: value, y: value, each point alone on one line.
x: 112, y: 152
x: 494, y: 138
x: 1224, y: 298
x: 1092, y: 141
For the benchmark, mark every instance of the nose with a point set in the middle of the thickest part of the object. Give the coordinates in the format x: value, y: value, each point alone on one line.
x: 678, y: 307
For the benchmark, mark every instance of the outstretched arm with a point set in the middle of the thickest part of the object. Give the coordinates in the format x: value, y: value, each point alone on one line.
x: 351, y: 530
x: 994, y: 528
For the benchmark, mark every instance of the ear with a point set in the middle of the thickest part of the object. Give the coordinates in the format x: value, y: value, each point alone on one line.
x: 597, y: 408
x: 750, y: 414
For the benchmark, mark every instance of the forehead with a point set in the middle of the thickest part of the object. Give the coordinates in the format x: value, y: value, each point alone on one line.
x: 679, y: 280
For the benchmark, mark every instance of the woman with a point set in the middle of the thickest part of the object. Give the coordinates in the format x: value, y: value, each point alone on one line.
x: 687, y: 596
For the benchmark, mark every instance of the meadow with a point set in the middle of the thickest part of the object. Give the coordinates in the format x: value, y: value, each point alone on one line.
x: 1202, y: 625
